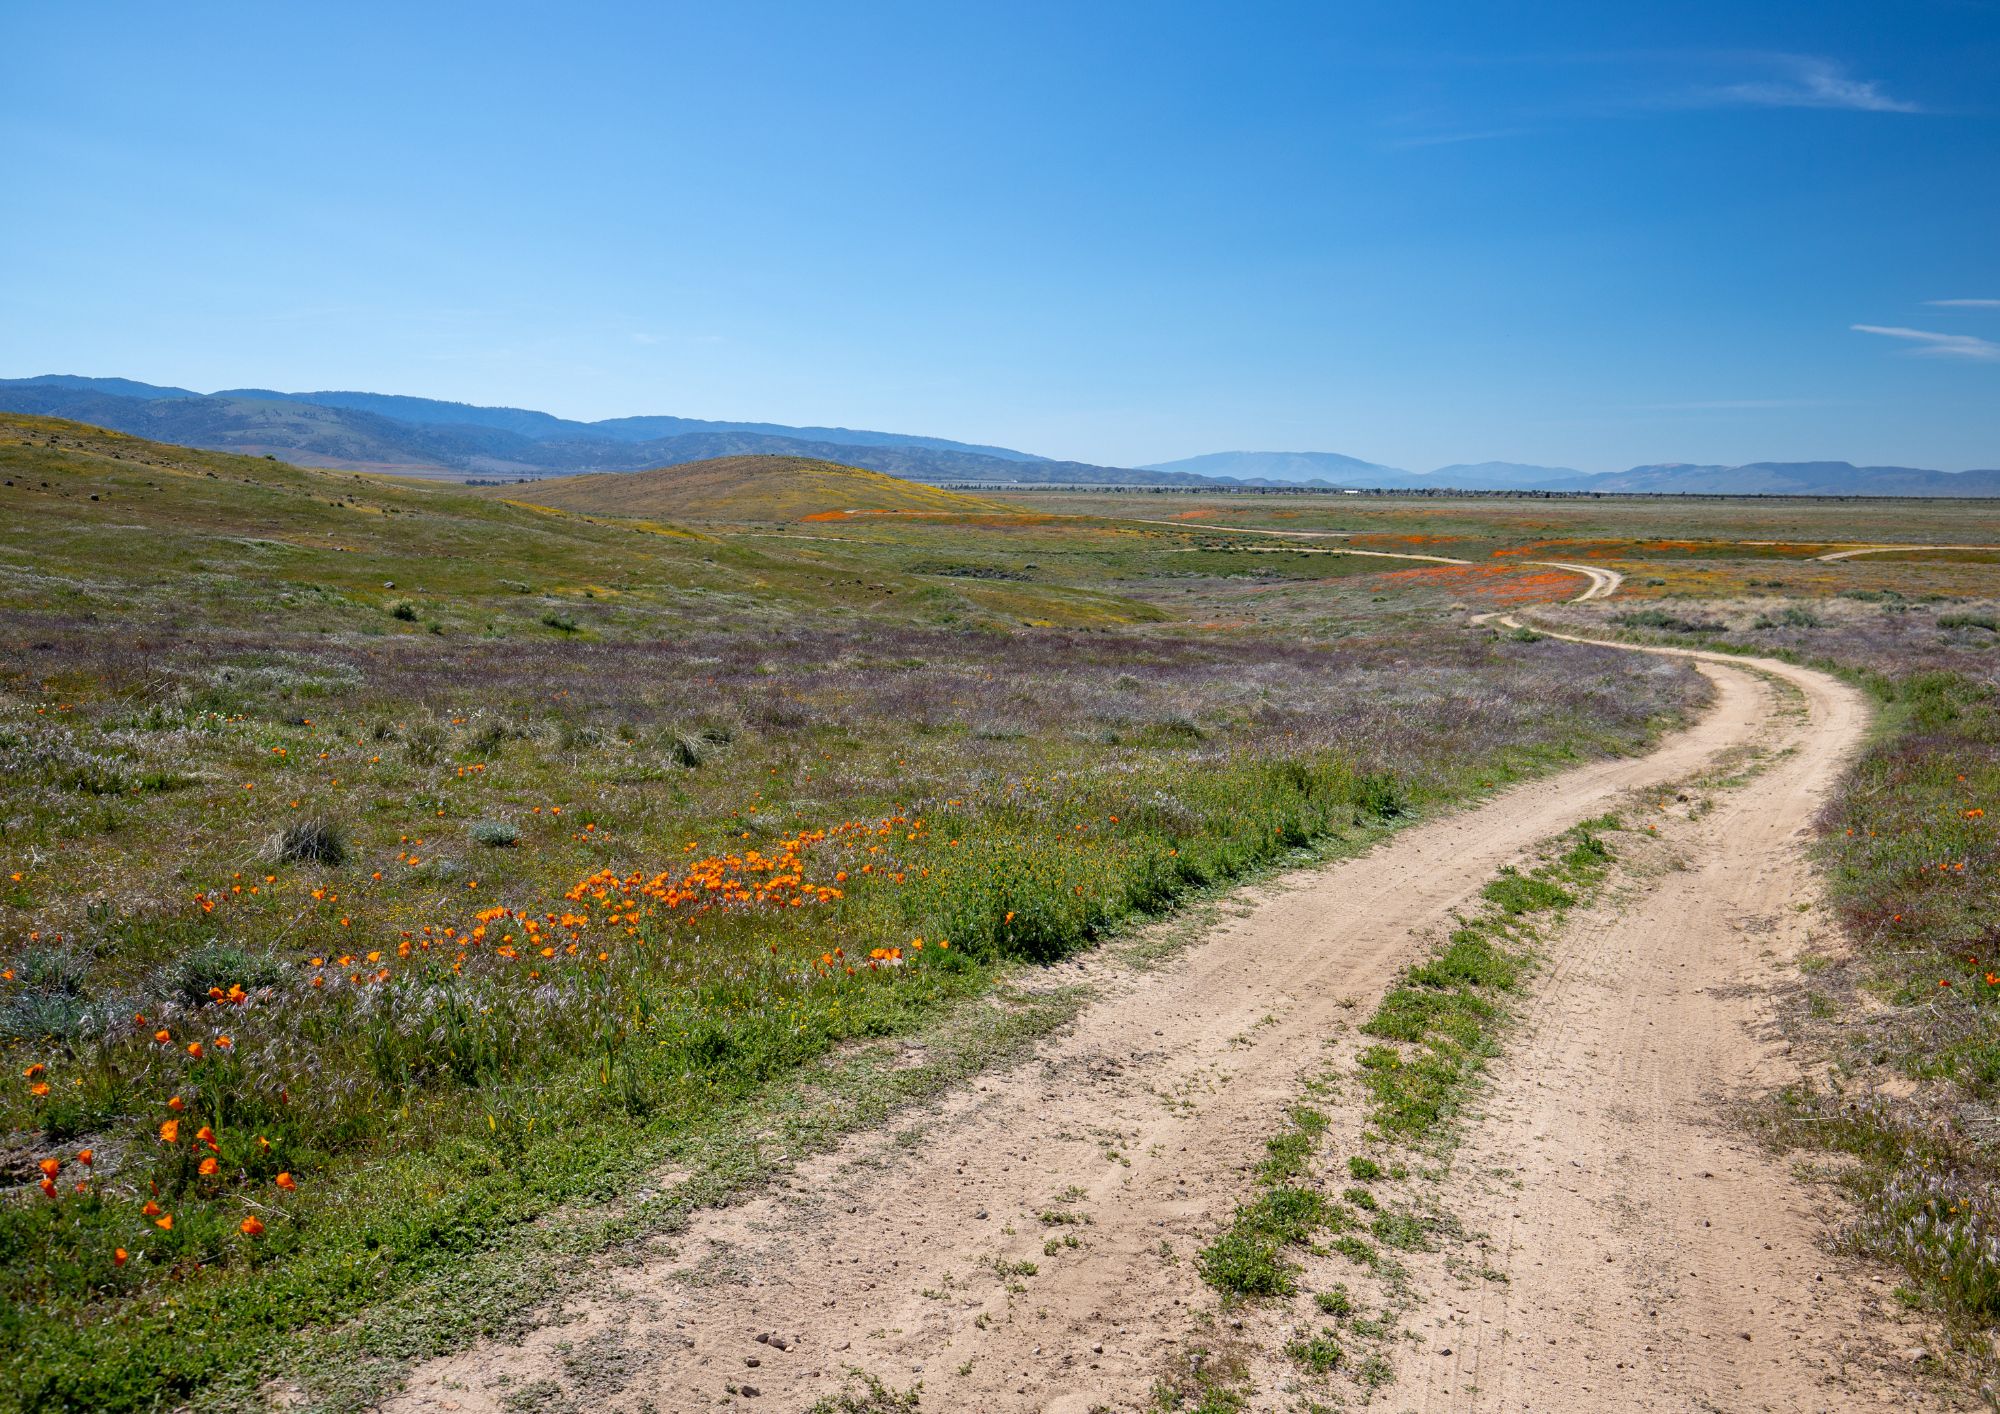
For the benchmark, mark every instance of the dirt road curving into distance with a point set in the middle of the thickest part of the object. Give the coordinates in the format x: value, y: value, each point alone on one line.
x: 1892, y: 549
x: 1654, y: 1258
x: 1603, y: 582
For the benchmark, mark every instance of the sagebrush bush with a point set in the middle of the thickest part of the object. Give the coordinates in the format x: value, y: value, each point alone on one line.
x: 687, y: 748
x: 495, y: 834
x: 189, y: 978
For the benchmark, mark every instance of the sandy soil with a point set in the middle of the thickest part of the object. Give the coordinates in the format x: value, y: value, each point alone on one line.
x: 1654, y: 1258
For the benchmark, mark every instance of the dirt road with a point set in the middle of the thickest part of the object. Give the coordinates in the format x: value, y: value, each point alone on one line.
x: 1893, y: 549
x: 1654, y: 1256
x: 1653, y: 1259
x: 1603, y: 582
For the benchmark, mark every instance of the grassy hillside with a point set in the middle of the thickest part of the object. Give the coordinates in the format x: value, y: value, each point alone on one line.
x: 746, y: 489
x: 93, y: 521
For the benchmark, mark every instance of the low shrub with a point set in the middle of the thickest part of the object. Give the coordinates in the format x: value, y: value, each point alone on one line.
x: 494, y: 834
x: 317, y: 839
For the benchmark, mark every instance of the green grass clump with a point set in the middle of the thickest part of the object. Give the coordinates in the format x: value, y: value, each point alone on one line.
x: 1989, y: 622
x: 866, y: 1394
x: 1249, y: 1259
x: 494, y: 834
x: 1670, y: 621
x: 1334, y: 1302
x: 1318, y: 1353
x: 1288, y: 1152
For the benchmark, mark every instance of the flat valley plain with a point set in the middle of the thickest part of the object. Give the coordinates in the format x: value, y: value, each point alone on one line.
x: 417, y: 898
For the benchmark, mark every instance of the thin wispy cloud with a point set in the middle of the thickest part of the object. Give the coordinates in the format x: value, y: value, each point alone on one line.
x: 1963, y: 303
x: 1926, y: 344
x: 1805, y: 81
x: 1597, y: 86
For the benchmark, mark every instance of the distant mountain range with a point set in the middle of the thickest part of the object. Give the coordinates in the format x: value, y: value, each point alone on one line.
x: 382, y: 432
x: 387, y: 432
x: 1334, y: 471
x: 1303, y: 468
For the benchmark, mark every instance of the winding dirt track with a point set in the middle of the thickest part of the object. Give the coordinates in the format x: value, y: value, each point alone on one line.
x: 1891, y: 549
x: 1603, y: 582
x: 1655, y: 1259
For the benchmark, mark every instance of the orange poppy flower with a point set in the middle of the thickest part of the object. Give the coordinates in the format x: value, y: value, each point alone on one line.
x: 163, y: 1035
x: 170, y: 1132
x: 152, y: 1209
x: 118, y: 1257
x: 194, y: 1049
x: 50, y: 1167
x: 177, y: 1104
x: 86, y: 1156
x: 251, y: 1227
x: 164, y: 1224
x: 288, y: 1183
x: 210, y: 1168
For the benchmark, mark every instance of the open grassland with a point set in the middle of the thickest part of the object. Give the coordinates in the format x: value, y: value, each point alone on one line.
x: 390, y: 869
x: 748, y: 489
x: 1665, y: 546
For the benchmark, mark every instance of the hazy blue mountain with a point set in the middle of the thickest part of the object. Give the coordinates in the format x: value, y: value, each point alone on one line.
x: 1329, y: 468
x: 638, y: 429
x: 1505, y: 476
x: 1798, y: 479
x: 1333, y: 470
x: 115, y: 387
x: 547, y: 427
x: 425, y: 412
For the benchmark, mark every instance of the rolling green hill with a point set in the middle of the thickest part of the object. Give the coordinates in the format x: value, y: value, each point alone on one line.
x: 753, y: 488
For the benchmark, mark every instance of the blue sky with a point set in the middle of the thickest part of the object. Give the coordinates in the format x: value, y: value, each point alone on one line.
x: 1568, y: 233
